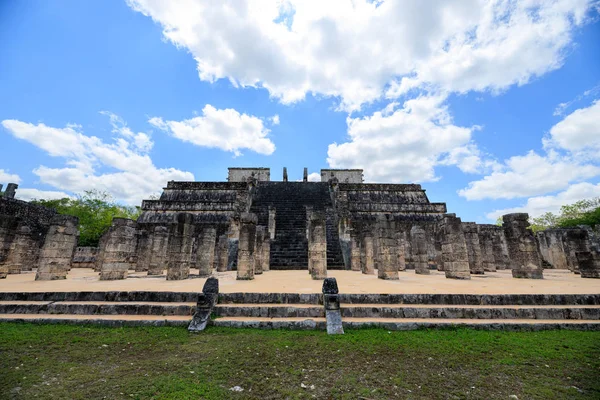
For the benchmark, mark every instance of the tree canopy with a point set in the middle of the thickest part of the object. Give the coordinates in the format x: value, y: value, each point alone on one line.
x: 95, y: 210
x: 583, y: 212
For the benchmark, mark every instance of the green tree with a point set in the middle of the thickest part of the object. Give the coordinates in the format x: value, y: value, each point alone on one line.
x: 95, y: 210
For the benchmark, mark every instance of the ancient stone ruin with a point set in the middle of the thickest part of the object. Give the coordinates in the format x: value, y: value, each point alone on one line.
x: 252, y: 225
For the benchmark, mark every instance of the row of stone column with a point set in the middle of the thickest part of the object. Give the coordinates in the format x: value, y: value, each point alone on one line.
x: 464, y: 248
x: 19, y: 251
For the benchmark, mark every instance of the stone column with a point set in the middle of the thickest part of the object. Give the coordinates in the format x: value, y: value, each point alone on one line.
x: 419, y: 250
x: 158, y: 251
x: 354, y: 251
x: 245, y: 263
x: 400, y: 254
x: 501, y: 258
x: 367, y: 254
x: 233, y: 235
x: 11, y: 190
x: 272, y: 222
x: 223, y: 253
x: 8, y: 227
x: 454, y: 249
x: 205, y: 252
x: 143, y: 250
x: 119, y: 249
x: 486, y: 240
x: 258, y: 249
x: 24, y: 251
x: 473, y: 247
x: 305, y: 175
x: 522, y: 247
x: 317, y: 245
x: 589, y: 262
x: 285, y: 175
x: 179, y: 249
x: 59, y: 247
x: 386, y: 250
x: 266, y: 258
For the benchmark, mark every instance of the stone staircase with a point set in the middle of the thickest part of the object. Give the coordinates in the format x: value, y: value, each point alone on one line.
x: 306, y: 311
x: 289, y: 250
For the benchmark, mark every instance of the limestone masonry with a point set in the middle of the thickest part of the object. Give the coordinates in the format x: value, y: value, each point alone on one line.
x: 252, y: 224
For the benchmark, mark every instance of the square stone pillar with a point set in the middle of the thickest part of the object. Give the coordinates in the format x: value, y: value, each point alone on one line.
x: 119, y: 248
x: 317, y: 245
x: 420, y: 256
x: 367, y: 253
x: 589, y: 262
x: 272, y: 222
x: 223, y: 253
x: 261, y: 234
x: 354, y: 251
x: 144, y: 239
x: 523, y: 250
x: 577, y: 240
x: 473, y: 247
x: 59, y: 247
x: 386, y: 244
x: 454, y: 249
x: 11, y: 190
x: 8, y: 228
x: 24, y: 251
x: 501, y: 258
x: 179, y: 249
x: 245, y: 262
x: 266, y: 258
x: 233, y: 235
x: 486, y: 240
x: 158, y: 251
x: 400, y: 254
x: 205, y: 251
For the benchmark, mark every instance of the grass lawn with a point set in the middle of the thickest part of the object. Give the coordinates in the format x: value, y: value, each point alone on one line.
x: 83, y: 362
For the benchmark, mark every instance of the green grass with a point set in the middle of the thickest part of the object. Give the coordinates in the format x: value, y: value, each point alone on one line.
x: 75, y: 362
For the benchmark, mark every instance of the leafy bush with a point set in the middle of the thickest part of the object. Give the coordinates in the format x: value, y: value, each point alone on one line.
x: 95, y: 210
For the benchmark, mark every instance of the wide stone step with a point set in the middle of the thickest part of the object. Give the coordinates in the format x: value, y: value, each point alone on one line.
x: 108, y: 320
x: 270, y: 310
x: 296, y: 323
x: 470, y: 312
x: 96, y: 308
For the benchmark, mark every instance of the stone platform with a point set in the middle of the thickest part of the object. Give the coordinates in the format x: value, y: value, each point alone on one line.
x: 296, y: 281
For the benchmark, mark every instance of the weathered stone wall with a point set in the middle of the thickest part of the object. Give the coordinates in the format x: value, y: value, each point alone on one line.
x: 85, y: 257
x: 486, y: 241
x: 522, y: 247
x: 24, y: 251
x: 143, y: 249
x: 8, y: 227
x: 59, y: 247
x: 159, y: 250
x: 243, y: 174
x: 118, y: 250
x: 552, y: 248
x: 342, y: 175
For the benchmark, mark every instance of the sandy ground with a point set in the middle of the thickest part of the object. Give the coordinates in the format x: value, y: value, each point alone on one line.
x: 501, y: 282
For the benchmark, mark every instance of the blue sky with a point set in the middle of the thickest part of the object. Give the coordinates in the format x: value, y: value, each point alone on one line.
x: 490, y: 105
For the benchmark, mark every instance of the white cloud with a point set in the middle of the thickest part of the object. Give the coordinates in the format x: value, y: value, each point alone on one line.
x: 226, y: 129
x: 314, y: 177
x: 578, y: 132
x: 529, y: 175
x: 135, y: 176
x: 537, y: 206
x: 30, y: 194
x: 406, y: 144
x: 6, y: 177
x: 274, y: 119
x: 359, y: 49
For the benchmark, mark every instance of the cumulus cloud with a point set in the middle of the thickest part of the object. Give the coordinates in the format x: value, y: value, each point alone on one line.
x: 405, y: 145
x: 7, y: 177
x: 357, y: 50
x: 579, y: 132
x: 539, y: 205
x: 529, y: 175
x: 135, y: 176
x: 28, y: 194
x: 314, y: 177
x: 226, y: 129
